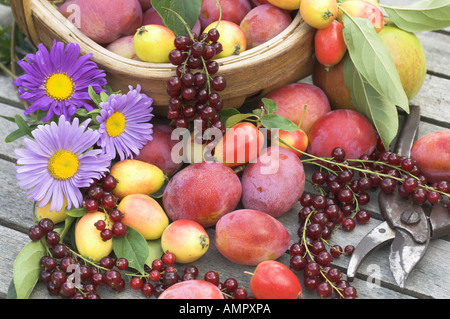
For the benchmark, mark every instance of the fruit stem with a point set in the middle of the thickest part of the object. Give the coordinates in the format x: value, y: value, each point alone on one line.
x: 303, y: 115
x: 249, y: 273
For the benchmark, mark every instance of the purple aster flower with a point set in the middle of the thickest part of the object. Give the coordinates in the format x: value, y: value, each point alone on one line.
x: 59, y: 161
x: 57, y: 82
x: 124, y: 123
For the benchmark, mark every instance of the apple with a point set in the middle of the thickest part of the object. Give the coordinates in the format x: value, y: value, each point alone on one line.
x: 363, y: 9
x: 409, y: 57
x: 124, y: 47
x: 186, y: 239
x: 232, y: 10
x: 292, y: 98
x: 192, y: 289
x: 263, y: 23
x: 153, y: 43
x: 297, y: 139
x: 55, y: 216
x: 104, y: 21
x: 232, y: 38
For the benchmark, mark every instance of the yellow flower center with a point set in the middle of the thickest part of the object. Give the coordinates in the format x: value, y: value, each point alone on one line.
x: 63, y: 165
x: 115, y: 125
x: 59, y: 86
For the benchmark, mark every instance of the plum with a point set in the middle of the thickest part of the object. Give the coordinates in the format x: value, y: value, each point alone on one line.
x: 151, y: 16
x: 263, y: 23
x: 265, y: 239
x: 274, y: 183
x: 348, y: 129
x: 159, y: 150
x: 432, y: 156
x: 232, y: 10
x: 192, y: 289
x: 292, y: 98
x: 202, y: 192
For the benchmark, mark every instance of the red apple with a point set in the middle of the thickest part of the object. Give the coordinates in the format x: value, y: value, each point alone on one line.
x: 192, y: 289
x: 232, y: 38
x: 297, y: 139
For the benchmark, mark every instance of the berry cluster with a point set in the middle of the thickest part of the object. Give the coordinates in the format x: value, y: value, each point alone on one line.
x: 99, y: 197
x: 344, y: 186
x: 162, y: 274
x: 194, y: 89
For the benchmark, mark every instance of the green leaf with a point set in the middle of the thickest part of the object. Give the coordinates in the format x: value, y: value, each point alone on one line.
x: 373, y: 60
x: 425, y: 15
x: 94, y: 96
x: 270, y: 105
x: 103, y: 96
x: 189, y: 10
x: 275, y: 121
x: 154, y: 250
x: 26, y: 268
x: 237, y: 118
x: 15, y: 135
x: 133, y: 247
x: 23, y: 125
x: 76, y: 212
x: 380, y: 111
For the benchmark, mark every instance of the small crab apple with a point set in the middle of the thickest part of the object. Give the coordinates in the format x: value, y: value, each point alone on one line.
x: 186, y: 239
x: 297, y: 139
x: 329, y: 44
x: 273, y: 280
x: 363, y: 9
x: 153, y: 43
x: 232, y: 38
x: 319, y: 14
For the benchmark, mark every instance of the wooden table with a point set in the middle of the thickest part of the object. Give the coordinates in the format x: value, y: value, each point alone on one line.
x: 429, y: 279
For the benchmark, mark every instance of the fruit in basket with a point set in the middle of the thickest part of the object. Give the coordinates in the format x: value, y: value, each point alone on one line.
x: 104, y: 21
x: 409, y: 57
x: 248, y: 237
x: 55, y: 216
x: 232, y: 10
x: 144, y: 214
x: 292, y: 98
x: 87, y: 237
x: 331, y: 81
x: 329, y: 44
x: 347, y: 129
x: 256, y: 3
x: 286, y: 4
x: 153, y: 43
x: 202, y: 192
x: 232, y: 38
x: 145, y: 4
x: 136, y: 177
x: 241, y: 144
x: 124, y: 47
x: 319, y: 14
x: 363, y: 9
x: 264, y: 22
x: 432, y: 155
x: 192, y: 289
x: 273, y: 280
x: 297, y: 139
x: 159, y: 150
x: 274, y: 183
x: 185, y: 238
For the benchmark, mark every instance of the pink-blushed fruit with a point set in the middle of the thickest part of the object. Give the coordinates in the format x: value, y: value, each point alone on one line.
x: 192, y: 289
x: 274, y: 183
x: 159, y: 150
x: 363, y: 9
x: 409, y: 57
x: 292, y: 98
x: 256, y: 3
x: 232, y: 10
x: 263, y: 23
x: 186, y: 239
x: 432, y: 155
x: 123, y: 47
x: 273, y: 280
x: 297, y: 139
x: 202, y: 192
x: 144, y: 214
x: 319, y: 14
x: 265, y: 239
x: 145, y: 4
x: 104, y: 21
x: 342, y: 128
x: 232, y: 38
x: 329, y: 44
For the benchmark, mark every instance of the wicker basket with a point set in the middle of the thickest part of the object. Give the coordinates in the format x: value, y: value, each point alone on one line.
x: 284, y: 59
